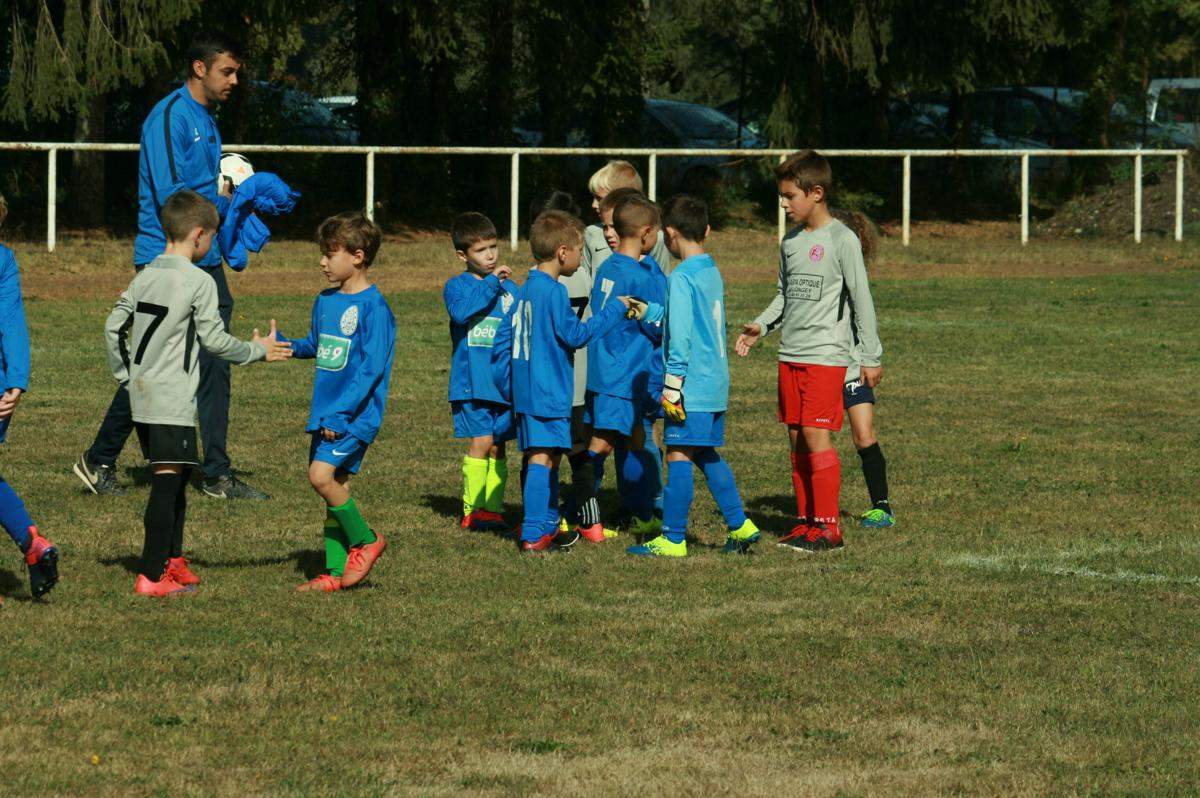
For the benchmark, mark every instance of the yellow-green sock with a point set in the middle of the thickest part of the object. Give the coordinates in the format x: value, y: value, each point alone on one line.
x: 475, y: 477
x: 337, y: 547
x: 497, y: 478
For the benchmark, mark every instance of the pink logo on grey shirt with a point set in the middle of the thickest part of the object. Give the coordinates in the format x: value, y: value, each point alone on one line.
x: 816, y: 253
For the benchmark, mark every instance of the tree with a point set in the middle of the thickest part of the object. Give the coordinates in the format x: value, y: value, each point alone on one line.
x: 68, y: 59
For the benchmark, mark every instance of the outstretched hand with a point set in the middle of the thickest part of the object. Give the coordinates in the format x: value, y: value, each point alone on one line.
x: 276, y: 350
x: 749, y: 337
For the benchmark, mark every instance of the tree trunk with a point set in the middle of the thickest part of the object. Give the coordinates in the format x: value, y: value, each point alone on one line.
x: 85, y: 191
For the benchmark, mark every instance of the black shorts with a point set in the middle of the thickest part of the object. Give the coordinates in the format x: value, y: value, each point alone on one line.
x: 167, y: 444
x: 581, y: 432
x: 857, y: 393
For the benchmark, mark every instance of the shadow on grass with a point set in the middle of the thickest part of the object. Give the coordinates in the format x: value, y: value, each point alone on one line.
x: 309, y: 562
x: 10, y: 584
x: 451, y: 508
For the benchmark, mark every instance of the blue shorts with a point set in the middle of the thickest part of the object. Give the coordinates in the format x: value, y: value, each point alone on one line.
x: 344, y: 454
x: 475, y: 419
x: 538, y: 432
x: 604, y: 412
x: 4, y: 428
x: 857, y: 393
x: 697, y: 429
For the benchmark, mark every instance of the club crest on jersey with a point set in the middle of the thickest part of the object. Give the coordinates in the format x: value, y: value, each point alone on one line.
x: 816, y: 253
x: 349, y: 322
x: 506, y: 302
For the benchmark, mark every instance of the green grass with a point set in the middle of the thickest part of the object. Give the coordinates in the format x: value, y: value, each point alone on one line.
x: 1028, y: 628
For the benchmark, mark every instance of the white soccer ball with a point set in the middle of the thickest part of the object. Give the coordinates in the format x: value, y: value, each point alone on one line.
x: 234, y: 168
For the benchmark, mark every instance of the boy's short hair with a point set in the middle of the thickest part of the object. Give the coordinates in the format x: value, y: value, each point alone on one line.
x: 615, y: 197
x: 634, y: 212
x: 186, y: 210
x: 614, y: 175
x: 551, y: 230
x: 807, y: 169
x: 469, y: 229
x: 208, y: 44
x: 3, y: 209
x: 688, y: 215
x: 351, y: 231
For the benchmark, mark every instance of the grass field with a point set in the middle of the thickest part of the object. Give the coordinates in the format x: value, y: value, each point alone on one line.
x: 1029, y: 628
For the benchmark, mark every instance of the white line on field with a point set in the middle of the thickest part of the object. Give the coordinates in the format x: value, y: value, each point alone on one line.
x: 998, y: 564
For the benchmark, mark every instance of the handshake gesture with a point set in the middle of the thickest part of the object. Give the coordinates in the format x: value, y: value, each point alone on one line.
x: 639, y: 309
x: 276, y: 350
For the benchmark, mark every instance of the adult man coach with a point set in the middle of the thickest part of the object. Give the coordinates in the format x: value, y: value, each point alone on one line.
x: 181, y: 149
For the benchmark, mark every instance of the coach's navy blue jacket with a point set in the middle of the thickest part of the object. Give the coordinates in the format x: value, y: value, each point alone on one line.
x: 181, y: 148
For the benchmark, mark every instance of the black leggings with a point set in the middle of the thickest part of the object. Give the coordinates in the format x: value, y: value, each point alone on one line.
x: 165, y: 512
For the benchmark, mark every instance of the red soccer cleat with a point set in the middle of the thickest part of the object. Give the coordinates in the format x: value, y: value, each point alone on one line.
x: 799, y: 532
x: 361, y: 559
x: 487, y: 521
x: 467, y: 521
x: 814, y: 540
x: 593, y: 533
x: 42, y: 562
x: 177, y: 569
x: 163, y: 587
x: 325, y: 583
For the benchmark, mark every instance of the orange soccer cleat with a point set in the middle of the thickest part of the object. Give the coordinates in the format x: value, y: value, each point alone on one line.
x: 177, y: 569
x: 163, y: 587
x: 361, y: 558
x: 325, y: 583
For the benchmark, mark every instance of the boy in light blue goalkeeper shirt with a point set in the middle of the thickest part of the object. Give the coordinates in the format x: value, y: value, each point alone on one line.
x: 480, y: 302
x: 544, y: 334
x: 353, y: 338
x: 625, y: 366
x: 694, y: 350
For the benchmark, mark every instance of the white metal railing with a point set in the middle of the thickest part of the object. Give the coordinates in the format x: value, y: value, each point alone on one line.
x: 515, y: 153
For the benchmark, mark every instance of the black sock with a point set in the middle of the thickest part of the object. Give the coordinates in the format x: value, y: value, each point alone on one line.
x: 180, y: 514
x: 583, y: 488
x: 874, y: 469
x: 160, y: 524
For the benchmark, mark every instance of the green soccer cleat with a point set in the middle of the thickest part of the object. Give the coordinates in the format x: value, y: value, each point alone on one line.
x: 876, y: 518
x: 641, y: 530
x: 741, y: 539
x: 659, y: 547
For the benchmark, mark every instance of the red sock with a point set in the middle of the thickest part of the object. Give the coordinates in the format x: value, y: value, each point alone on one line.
x: 826, y: 483
x: 802, y: 485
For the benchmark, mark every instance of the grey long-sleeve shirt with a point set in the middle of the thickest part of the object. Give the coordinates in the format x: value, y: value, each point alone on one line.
x: 823, y: 303
x: 152, y: 336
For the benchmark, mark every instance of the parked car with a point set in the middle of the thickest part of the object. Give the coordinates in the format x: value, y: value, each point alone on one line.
x: 1174, y: 103
x: 290, y: 116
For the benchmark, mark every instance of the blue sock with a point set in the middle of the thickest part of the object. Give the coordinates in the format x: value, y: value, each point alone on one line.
x: 657, y: 455
x: 722, y: 485
x: 637, y: 475
x: 536, y: 496
x: 677, y: 500
x: 552, y: 505
x: 13, y: 517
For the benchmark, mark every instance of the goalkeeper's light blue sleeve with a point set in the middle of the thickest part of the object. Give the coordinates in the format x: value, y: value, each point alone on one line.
x: 694, y: 345
x: 180, y: 148
x: 545, y: 333
x: 478, y: 308
x: 14, y: 334
x: 627, y: 361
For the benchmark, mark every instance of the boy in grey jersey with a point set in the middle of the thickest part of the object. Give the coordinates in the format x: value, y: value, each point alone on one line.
x: 152, y: 337
x: 822, y: 306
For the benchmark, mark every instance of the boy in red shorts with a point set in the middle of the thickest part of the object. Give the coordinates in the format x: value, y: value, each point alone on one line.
x: 823, y: 306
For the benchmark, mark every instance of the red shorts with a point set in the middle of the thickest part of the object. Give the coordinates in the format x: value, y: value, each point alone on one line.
x: 811, y: 396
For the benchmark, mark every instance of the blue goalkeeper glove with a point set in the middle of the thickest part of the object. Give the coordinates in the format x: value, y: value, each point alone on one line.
x: 672, y: 398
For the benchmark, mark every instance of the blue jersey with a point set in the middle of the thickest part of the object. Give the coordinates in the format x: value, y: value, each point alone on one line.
x: 353, y: 337
x: 14, y: 334
x: 545, y: 332
x: 478, y: 308
x: 180, y: 149
x: 627, y: 361
x: 694, y: 342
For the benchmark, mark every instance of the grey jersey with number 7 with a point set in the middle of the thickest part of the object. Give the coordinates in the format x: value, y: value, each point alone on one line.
x: 154, y: 335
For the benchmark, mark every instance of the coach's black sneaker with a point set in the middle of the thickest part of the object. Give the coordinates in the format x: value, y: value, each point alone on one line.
x: 228, y: 486
x: 99, y: 479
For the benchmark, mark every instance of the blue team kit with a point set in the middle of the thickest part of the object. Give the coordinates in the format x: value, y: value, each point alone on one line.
x: 625, y: 366
x: 480, y: 309
x: 544, y: 333
x: 180, y: 149
x: 694, y: 343
x: 353, y: 338
x: 14, y: 334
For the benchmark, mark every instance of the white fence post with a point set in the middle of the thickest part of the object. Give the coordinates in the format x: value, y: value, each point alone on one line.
x: 906, y: 201
x: 653, y: 176
x: 782, y: 217
x: 1178, y: 197
x: 514, y: 198
x: 1024, y: 198
x: 1137, y: 198
x: 371, y: 185
x: 51, y: 198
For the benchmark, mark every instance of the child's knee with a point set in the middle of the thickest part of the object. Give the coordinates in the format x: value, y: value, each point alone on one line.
x: 864, y: 438
x: 320, y: 476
